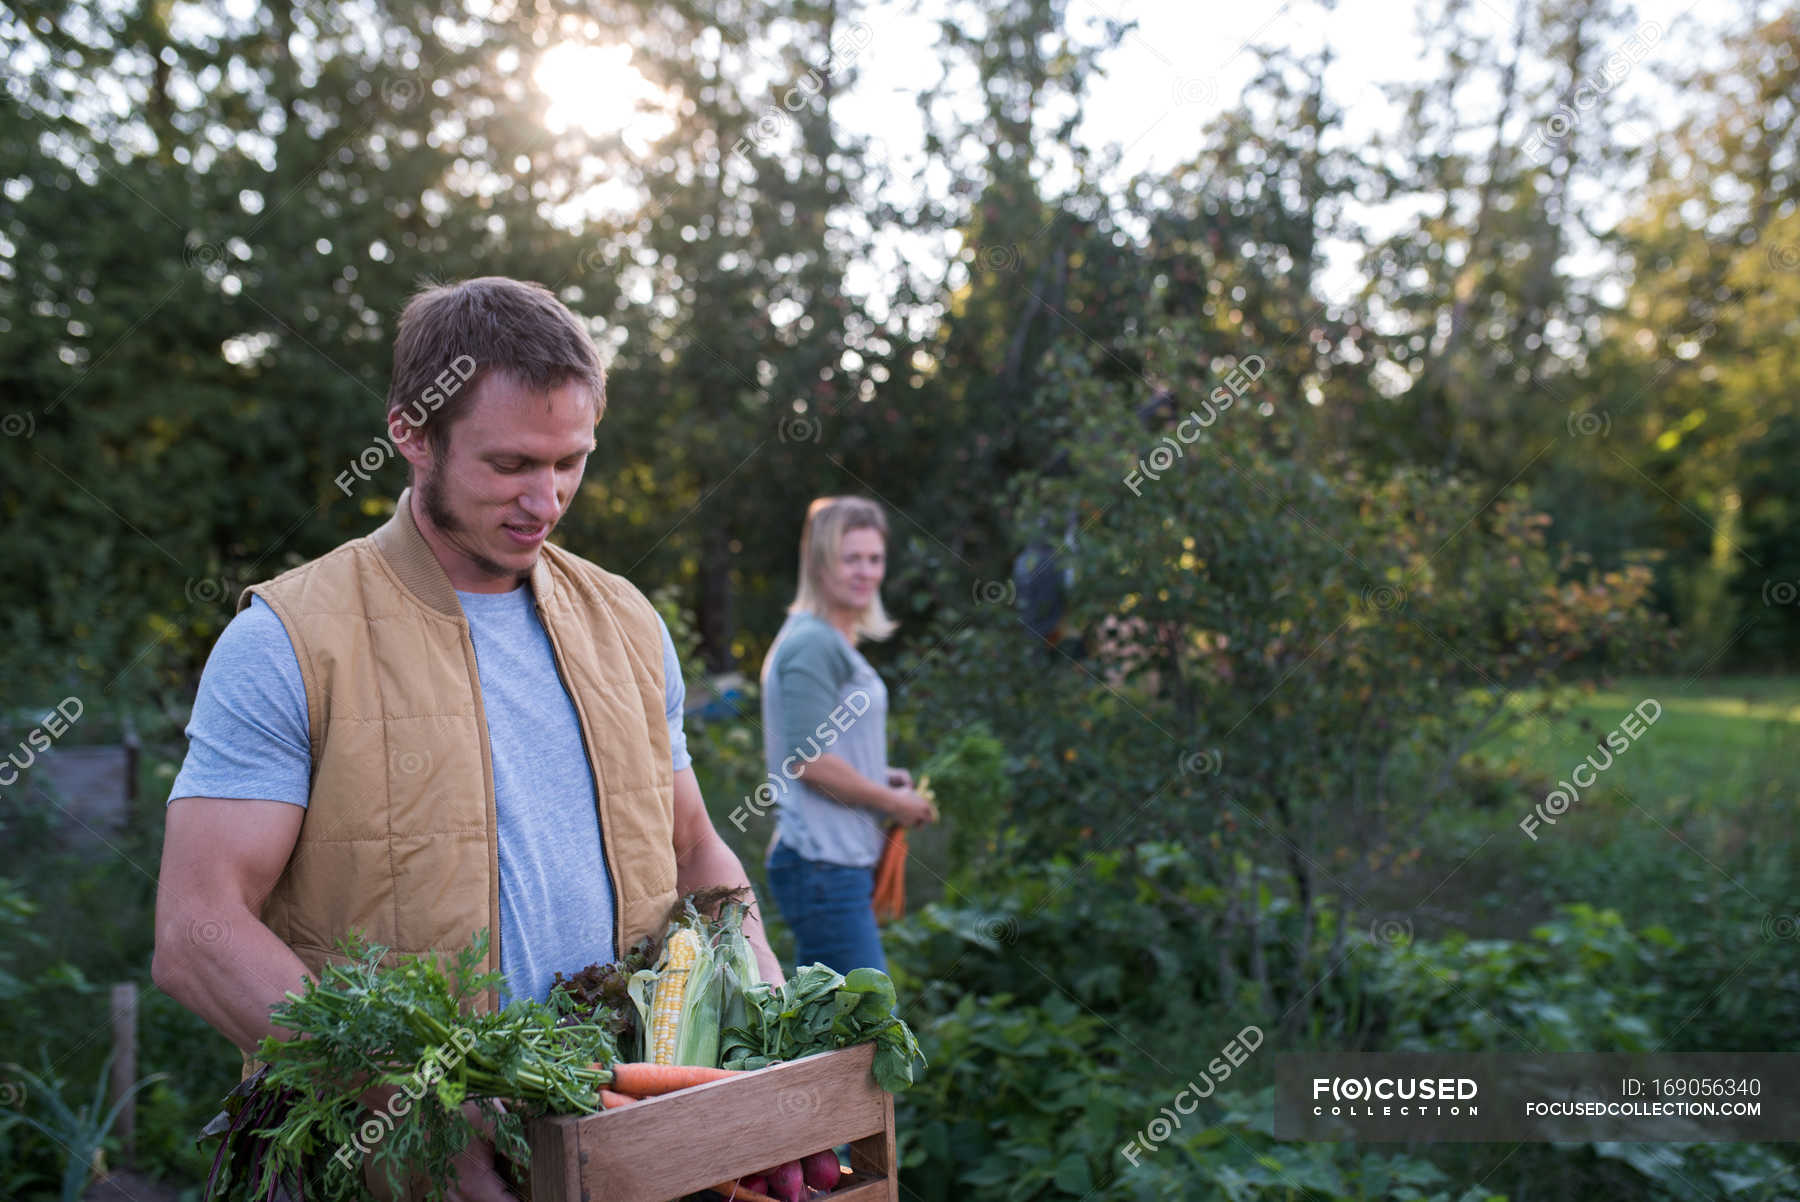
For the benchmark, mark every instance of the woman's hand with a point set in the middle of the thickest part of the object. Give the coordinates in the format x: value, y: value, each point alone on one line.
x: 910, y: 809
x: 899, y: 778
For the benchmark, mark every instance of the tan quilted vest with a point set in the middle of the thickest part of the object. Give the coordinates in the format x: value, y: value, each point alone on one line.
x: 399, y: 839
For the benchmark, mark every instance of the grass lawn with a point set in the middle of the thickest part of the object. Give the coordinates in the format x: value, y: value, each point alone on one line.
x: 1702, y: 803
x: 1715, y: 741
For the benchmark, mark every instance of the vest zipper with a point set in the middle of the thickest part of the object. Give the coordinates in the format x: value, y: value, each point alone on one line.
x: 587, y: 751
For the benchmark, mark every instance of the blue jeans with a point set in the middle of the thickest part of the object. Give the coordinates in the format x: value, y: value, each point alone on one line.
x: 830, y: 908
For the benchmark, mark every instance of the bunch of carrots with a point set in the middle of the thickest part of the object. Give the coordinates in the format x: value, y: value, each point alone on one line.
x: 890, y: 872
x: 633, y: 1082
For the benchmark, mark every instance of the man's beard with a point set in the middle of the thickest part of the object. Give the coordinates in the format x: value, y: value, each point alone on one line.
x: 437, y: 508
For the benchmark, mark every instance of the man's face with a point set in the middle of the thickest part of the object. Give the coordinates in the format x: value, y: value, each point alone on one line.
x: 511, y: 467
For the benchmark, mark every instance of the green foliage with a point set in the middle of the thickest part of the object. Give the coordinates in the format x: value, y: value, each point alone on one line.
x: 1583, y: 982
x: 24, y: 948
x: 1062, y: 1014
x: 79, y: 1131
x: 407, y: 1025
x: 968, y: 777
x: 819, y: 1010
x: 1028, y: 1100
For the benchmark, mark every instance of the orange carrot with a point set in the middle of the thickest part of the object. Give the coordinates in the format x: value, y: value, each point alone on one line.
x: 889, y: 898
x: 612, y: 1100
x: 648, y: 1080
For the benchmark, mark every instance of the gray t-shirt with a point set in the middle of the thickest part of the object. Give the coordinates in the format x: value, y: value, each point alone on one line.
x: 247, y: 738
x: 820, y: 695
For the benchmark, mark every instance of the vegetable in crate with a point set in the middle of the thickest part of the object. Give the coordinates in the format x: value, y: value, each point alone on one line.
x: 822, y: 1170
x: 787, y: 1182
x: 601, y: 992
x: 683, y: 1002
x: 685, y: 960
x: 300, y: 1121
x: 818, y: 1010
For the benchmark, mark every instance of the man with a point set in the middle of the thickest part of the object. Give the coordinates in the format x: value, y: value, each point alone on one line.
x: 447, y: 725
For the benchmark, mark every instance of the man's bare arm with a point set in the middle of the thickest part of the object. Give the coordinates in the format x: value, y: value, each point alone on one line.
x: 702, y: 859
x: 213, y: 954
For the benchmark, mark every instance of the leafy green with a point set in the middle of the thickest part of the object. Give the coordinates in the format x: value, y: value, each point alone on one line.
x: 601, y: 992
x: 361, y: 1025
x: 818, y: 1010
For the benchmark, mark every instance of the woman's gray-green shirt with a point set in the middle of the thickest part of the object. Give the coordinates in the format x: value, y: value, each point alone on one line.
x: 820, y: 695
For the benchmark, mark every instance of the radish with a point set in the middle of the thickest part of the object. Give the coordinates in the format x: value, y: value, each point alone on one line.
x: 821, y: 1170
x: 756, y: 1183
x: 787, y: 1182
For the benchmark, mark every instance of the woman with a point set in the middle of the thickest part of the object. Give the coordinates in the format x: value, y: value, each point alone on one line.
x: 825, y: 741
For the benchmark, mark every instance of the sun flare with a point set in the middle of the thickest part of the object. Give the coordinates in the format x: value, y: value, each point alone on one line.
x: 597, y: 89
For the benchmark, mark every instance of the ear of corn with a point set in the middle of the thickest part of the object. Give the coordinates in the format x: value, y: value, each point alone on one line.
x: 697, y: 1039
x: 671, y: 990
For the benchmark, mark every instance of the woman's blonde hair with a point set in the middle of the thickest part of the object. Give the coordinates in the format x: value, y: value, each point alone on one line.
x: 828, y: 520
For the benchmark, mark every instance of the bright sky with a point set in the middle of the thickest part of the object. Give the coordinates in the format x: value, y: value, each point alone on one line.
x: 1187, y: 60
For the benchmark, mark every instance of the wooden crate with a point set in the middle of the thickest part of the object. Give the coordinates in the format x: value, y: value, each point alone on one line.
x: 664, y: 1148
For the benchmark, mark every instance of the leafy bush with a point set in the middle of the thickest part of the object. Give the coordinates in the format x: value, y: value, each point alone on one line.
x: 1022, y: 1100
x: 1061, y: 1005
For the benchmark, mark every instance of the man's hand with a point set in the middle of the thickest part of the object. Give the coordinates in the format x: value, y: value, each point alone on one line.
x: 475, y: 1177
x: 899, y: 778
